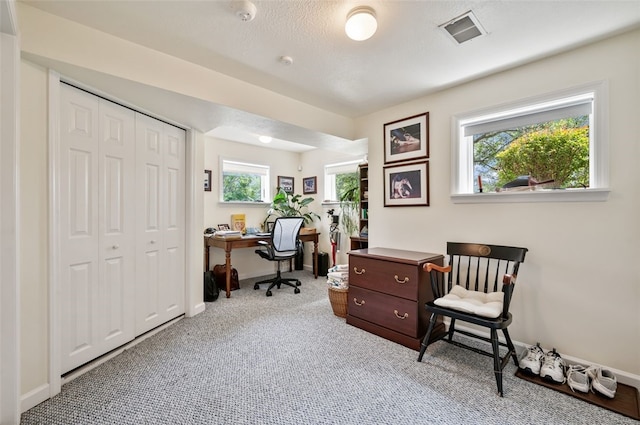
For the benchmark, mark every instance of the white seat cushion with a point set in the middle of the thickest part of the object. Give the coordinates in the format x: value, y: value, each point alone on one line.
x: 474, y: 302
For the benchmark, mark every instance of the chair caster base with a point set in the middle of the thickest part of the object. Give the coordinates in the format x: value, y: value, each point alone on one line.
x: 256, y: 286
x: 269, y: 293
x: 296, y: 291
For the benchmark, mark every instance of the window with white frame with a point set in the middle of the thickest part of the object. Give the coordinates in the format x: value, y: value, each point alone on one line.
x: 552, y: 142
x: 243, y: 182
x: 338, y: 178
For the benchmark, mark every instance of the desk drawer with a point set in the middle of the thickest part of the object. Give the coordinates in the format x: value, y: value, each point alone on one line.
x: 394, y: 313
x: 401, y: 280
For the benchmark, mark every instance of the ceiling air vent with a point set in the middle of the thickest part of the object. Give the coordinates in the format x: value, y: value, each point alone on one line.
x: 464, y: 27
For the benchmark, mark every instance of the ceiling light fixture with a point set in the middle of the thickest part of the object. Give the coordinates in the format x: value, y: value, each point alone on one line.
x: 265, y: 139
x: 361, y: 23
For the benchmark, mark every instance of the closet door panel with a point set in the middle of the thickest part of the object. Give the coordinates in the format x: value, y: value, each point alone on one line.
x: 160, y: 187
x: 79, y: 234
x: 149, y: 244
x: 117, y: 225
x: 175, y: 221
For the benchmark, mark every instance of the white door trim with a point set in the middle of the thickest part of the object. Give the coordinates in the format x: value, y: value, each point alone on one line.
x: 55, y: 361
x: 194, y: 250
x: 9, y: 216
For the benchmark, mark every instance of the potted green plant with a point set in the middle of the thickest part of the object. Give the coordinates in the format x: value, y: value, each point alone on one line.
x: 289, y: 205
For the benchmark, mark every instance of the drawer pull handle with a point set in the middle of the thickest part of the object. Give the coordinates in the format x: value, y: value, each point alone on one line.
x: 355, y: 301
x: 358, y: 272
x: 400, y: 317
x: 406, y: 279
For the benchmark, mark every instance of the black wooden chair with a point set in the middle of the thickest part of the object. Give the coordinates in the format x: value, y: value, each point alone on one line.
x: 282, y: 246
x: 467, y: 289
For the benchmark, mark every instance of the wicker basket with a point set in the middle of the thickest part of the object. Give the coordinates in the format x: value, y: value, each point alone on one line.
x: 338, y: 299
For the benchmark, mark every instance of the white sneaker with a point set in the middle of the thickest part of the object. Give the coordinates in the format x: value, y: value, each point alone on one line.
x: 552, y: 368
x: 577, y: 378
x: 532, y: 359
x: 603, y: 381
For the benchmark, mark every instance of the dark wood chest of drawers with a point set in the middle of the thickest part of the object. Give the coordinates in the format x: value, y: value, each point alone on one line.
x: 387, y: 293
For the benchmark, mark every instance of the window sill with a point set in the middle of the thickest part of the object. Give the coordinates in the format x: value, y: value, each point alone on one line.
x: 245, y: 203
x: 569, y: 195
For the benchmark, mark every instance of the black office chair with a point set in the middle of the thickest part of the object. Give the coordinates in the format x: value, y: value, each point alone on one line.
x: 467, y: 290
x: 282, y: 246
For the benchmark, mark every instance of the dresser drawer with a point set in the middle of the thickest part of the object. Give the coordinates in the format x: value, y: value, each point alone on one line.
x: 397, y: 279
x: 395, y: 313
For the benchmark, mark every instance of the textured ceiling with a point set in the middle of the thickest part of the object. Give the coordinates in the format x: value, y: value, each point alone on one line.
x: 408, y: 57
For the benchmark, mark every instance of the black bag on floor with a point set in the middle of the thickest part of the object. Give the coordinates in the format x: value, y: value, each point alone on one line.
x: 211, y: 291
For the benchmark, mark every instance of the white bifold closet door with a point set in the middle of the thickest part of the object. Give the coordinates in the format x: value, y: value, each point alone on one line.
x: 122, y: 209
x: 97, y: 228
x: 160, y: 183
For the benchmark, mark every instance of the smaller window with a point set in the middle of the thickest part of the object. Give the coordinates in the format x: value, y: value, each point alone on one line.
x: 338, y: 178
x: 243, y: 182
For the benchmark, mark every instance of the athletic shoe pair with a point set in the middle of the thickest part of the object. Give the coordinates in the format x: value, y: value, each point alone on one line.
x: 599, y: 380
x: 549, y: 366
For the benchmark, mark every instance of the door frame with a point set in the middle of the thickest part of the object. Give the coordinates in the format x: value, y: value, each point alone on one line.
x: 193, y: 223
x: 9, y: 215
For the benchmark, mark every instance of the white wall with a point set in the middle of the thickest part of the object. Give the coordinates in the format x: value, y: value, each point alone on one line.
x: 579, y: 289
x: 34, y: 230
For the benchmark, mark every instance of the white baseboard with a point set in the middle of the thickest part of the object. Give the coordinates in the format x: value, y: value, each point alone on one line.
x: 622, y: 376
x: 197, y: 309
x: 34, y: 397
x: 100, y: 360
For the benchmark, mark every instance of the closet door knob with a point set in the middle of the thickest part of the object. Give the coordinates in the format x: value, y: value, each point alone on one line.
x: 153, y: 241
x: 115, y: 246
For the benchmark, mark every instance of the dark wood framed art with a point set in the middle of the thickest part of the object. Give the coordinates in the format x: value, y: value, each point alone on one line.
x: 406, y: 139
x: 309, y: 185
x: 286, y: 183
x: 406, y: 184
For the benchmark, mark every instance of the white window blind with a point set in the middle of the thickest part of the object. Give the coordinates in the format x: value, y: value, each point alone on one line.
x: 244, y: 168
x: 341, y: 168
x: 567, y: 108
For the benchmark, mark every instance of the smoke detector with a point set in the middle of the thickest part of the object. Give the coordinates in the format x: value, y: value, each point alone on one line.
x: 286, y: 60
x: 244, y: 9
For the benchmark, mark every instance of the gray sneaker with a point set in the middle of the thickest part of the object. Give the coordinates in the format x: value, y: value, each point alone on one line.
x: 577, y: 378
x: 552, y: 368
x: 603, y: 381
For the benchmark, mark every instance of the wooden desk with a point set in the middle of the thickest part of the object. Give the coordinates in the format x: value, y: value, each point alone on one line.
x: 248, y: 242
